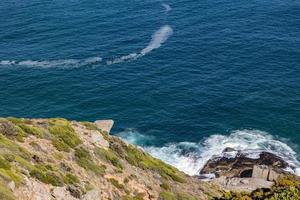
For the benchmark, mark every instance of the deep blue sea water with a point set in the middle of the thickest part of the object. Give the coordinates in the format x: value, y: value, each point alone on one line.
x: 183, y: 79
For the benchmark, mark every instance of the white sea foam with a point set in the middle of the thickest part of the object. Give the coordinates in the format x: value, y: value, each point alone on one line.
x: 190, y: 157
x: 158, y: 38
x: 167, y: 7
x: 66, y: 63
x: 132, y: 136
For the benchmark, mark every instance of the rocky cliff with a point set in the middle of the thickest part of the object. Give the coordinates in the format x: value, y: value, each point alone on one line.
x: 43, y: 159
x: 57, y: 159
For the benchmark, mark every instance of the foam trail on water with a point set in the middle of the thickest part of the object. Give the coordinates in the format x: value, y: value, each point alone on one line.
x: 167, y: 7
x: 66, y: 63
x: 190, y: 157
x: 158, y: 38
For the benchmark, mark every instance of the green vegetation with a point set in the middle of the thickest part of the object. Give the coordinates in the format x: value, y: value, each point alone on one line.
x: 89, y: 125
x: 47, y: 177
x: 60, y: 145
x: 5, y: 193
x: 4, y: 164
x: 165, y: 186
x: 64, y: 135
x: 109, y: 156
x: 165, y: 195
x: 139, y: 196
x: 116, y: 183
x: 143, y: 160
x: 16, y: 120
x: 286, y: 188
x: 23, y: 128
x: 71, y: 179
x: 184, y: 196
x: 29, y: 129
x: 8, y: 145
x: 84, y: 159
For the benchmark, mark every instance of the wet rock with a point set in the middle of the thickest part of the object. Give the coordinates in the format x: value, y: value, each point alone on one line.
x: 228, y: 149
x: 265, y: 166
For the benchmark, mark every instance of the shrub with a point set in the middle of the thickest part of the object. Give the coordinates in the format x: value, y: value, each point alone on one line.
x: 14, y: 148
x: 47, y: 177
x: 285, y: 188
x: 10, y: 175
x: 4, y: 164
x: 126, y: 180
x: 63, y: 130
x: 90, y: 125
x: 139, y: 196
x: 184, y: 196
x: 167, y: 196
x: 15, y: 120
x: 84, y: 159
x: 109, y: 156
x: 71, y: 179
x: 116, y: 183
x: 143, y: 160
x: 6, y: 193
x: 165, y: 186
x: 60, y: 145
x: 31, y: 130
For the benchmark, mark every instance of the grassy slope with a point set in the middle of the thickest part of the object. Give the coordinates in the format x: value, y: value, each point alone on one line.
x: 126, y: 171
x: 52, y: 152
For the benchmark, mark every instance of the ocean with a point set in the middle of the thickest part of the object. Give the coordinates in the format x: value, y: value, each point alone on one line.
x: 183, y: 79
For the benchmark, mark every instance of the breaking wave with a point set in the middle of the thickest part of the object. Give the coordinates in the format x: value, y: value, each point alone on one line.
x: 158, y: 38
x: 66, y: 63
x: 190, y: 157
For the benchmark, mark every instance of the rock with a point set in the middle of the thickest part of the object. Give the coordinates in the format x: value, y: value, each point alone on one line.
x: 90, y: 195
x: 75, y: 191
x: 228, y: 149
x: 273, y: 175
x: 242, y: 184
x: 11, y: 185
x: 104, y: 125
x: 260, y: 171
x: 37, y: 159
x: 7, y: 128
x: 239, y: 164
x: 98, y: 140
x: 61, y: 193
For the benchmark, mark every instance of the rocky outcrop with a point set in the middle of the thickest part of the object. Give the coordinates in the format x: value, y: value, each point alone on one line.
x: 57, y: 159
x: 234, y: 163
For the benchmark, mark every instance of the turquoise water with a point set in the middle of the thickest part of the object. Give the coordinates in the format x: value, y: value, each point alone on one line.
x: 184, y: 79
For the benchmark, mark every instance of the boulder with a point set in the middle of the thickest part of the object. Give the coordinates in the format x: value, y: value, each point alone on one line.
x: 104, y: 125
